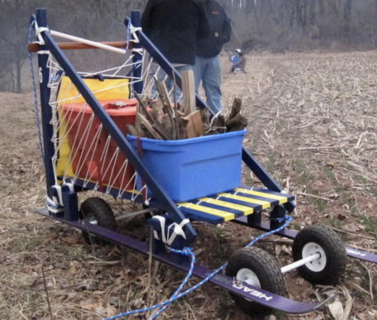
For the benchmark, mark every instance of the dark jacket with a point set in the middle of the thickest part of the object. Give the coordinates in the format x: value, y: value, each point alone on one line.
x: 175, y: 26
x: 220, y: 30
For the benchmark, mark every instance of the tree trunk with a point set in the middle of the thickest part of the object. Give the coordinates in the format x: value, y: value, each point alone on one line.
x: 18, y: 70
x: 347, y: 13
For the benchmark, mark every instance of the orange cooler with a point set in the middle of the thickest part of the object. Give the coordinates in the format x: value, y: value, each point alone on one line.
x: 93, y: 157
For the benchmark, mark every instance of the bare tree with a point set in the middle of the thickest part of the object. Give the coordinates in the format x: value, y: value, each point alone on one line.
x: 94, y: 19
x: 12, y: 39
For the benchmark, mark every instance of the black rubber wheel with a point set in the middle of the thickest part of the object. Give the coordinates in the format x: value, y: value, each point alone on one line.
x: 330, y: 267
x: 97, y: 211
x: 258, y: 268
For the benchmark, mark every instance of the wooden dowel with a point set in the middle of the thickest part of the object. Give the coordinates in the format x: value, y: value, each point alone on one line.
x: 35, y: 47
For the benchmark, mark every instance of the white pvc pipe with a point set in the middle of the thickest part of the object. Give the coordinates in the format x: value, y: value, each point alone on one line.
x: 300, y: 263
x: 88, y: 42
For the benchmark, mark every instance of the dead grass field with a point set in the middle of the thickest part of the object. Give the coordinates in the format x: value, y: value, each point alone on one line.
x: 312, y: 120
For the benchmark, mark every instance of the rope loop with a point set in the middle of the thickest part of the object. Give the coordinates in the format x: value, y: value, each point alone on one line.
x: 172, y: 231
x: 38, y: 32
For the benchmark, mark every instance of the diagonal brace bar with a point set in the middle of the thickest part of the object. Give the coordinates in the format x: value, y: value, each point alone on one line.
x: 117, y: 135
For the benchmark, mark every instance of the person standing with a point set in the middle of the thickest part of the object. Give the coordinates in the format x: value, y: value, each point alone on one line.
x: 175, y: 27
x: 207, y: 67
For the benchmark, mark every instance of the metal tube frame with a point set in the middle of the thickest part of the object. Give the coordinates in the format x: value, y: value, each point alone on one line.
x: 166, y: 202
x: 125, y: 147
x: 248, y: 292
x: 46, y: 112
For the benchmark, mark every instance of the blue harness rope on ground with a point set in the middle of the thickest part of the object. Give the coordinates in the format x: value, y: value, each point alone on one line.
x: 178, y: 294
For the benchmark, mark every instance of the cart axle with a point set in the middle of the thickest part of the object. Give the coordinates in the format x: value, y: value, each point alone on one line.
x: 300, y: 263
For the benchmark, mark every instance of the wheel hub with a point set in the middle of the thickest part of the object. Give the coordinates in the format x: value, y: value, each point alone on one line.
x: 90, y: 218
x: 316, y: 265
x: 248, y: 276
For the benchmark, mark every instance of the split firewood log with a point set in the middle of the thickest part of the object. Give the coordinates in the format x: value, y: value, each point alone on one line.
x: 236, y: 108
x: 146, y: 116
x: 157, y: 107
x: 188, y: 89
x: 217, y: 124
x: 205, y: 115
x: 133, y: 131
x: 163, y: 92
x: 151, y: 130
x: 238, y: 122
x: 194, y: 126
x: 235, y: 121
x: 169, y: 109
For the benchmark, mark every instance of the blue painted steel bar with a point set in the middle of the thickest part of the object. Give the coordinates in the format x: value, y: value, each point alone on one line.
x: 256, y: 207
x: 70, y: 200
x: 46, y: 111
x: 117, y: 135
x: 201, y: 216
x: 137, y: 58
x: 237, y: 213
x: 255, y: 294
x: 258, y: 170
x: 252, y: 197
x: 264, y: 176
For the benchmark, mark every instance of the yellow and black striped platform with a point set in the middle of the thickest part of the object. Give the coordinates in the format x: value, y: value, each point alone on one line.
x: 230, y: 205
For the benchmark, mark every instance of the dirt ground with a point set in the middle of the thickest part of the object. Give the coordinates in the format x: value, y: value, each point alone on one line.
x: 312, y: 120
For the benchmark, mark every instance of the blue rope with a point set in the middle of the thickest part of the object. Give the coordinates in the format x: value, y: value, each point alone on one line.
x: 178, y: 294
x: 36, y: 109
x: 187, y: 252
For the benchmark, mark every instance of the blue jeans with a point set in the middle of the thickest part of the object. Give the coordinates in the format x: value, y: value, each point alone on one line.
x: 169, y: 82
x: 208, y: 71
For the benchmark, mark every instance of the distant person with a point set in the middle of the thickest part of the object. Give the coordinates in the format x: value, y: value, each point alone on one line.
x: 238, y: 62
x: 207, y: 68
x: 175, y: 27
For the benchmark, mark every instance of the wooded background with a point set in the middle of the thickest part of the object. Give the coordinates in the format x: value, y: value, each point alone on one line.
x: 275, y: 25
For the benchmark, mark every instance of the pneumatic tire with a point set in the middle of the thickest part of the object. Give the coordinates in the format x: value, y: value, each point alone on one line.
x: 258, y: 268
x: 97, y: 211
x: 330, y: 267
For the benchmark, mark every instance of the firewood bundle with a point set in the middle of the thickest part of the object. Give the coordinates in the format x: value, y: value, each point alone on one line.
x: 233, y: 121
x: 162, y: 119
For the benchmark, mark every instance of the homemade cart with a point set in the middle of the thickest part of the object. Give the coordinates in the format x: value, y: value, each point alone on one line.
x: 86, y: 147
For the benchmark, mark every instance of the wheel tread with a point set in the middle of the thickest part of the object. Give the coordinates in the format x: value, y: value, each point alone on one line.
x: 268, y: 271
x: 335, y: 253
x: 102, y: 212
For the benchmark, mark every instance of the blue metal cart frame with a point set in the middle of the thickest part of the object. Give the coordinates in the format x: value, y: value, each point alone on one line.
x: 69, y: 213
